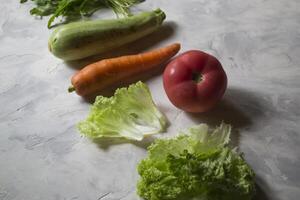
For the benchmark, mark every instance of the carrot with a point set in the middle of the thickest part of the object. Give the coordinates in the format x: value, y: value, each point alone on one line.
x: 105, y: 73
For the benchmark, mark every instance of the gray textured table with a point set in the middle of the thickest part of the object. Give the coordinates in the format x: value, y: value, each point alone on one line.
x: 42, y: 156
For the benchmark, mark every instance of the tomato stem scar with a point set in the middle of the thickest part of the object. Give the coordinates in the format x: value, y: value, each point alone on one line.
x: 197, y: 77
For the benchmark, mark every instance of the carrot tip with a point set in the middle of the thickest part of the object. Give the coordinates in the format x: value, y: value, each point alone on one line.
x: 71, y: 89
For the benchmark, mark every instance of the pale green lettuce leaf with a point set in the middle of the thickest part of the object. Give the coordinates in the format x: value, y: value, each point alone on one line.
x: 130, y: 113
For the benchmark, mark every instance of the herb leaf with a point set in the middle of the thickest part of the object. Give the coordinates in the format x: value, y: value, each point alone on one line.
x: 75, y: 9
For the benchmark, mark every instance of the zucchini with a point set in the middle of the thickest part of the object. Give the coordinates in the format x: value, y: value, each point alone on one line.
x: 82, y: 39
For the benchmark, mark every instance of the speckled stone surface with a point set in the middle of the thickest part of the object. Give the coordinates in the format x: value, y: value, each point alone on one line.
x: 42, y: 156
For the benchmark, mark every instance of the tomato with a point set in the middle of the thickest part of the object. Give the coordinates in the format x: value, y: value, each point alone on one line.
x: 194, y: 81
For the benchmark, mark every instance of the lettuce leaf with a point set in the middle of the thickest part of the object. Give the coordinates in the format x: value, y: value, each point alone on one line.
x: 130, y: 113
x: 199, y: 165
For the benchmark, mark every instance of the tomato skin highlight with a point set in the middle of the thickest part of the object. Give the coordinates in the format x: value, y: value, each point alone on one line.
x: 195, y: 81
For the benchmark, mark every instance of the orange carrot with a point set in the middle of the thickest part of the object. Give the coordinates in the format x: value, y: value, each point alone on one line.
x: 107, y: 72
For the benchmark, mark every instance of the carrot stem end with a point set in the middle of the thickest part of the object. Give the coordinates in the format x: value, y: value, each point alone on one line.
x: 71, y: 89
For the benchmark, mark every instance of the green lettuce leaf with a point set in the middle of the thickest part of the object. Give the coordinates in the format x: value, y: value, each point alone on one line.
x: 130, y: 113
x: 199, y: 165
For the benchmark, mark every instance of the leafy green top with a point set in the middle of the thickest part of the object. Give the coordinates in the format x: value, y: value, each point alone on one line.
x: 72, y: 9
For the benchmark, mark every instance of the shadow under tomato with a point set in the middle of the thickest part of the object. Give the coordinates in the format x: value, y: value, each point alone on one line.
x: 238, y: 107
x: 227, y: 110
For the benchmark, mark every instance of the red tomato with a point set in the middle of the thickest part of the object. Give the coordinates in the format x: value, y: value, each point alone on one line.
x: 194, y: 81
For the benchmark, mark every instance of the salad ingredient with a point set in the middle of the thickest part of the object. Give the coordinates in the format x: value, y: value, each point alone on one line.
x: 74, y: 9
x: 107, y: 72
x: 78, y: 40
x: 195, y: 81
x: 130, y: 113
x: 196, y: 165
